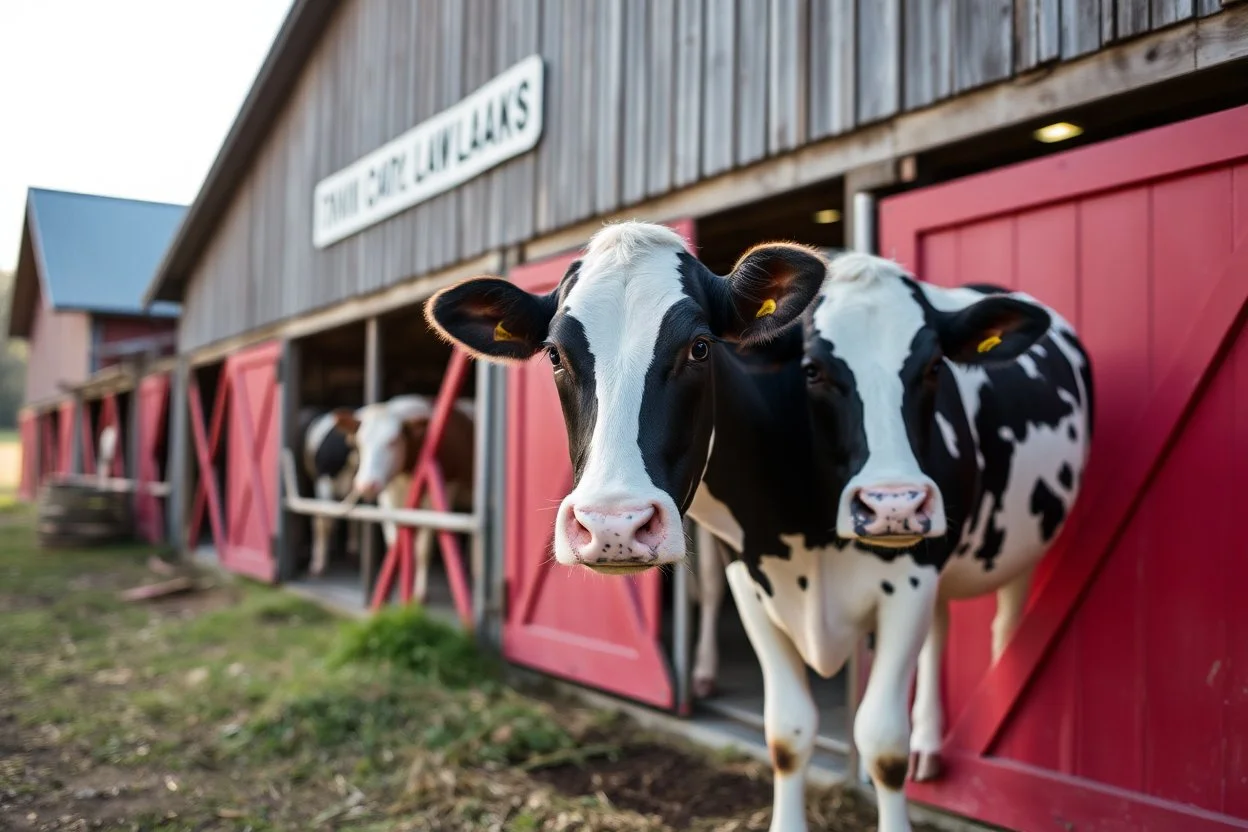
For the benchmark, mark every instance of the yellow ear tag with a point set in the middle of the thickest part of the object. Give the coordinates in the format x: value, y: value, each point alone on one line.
x: 990, y: 342
x: 768, y: 307
x: 501, y: 334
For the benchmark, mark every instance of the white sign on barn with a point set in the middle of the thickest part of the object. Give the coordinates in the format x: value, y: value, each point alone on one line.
x: 498, y: 121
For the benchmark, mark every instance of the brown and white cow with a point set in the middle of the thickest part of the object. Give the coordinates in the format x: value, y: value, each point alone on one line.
x: 388, y: 437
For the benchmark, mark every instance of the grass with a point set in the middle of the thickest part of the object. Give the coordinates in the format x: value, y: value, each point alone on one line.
x: 239, y: 707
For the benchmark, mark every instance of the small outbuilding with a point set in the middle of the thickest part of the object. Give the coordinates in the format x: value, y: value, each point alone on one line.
x: 94, y: 349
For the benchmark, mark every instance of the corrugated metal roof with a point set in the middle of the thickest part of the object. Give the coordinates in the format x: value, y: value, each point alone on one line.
x: 99, y: 253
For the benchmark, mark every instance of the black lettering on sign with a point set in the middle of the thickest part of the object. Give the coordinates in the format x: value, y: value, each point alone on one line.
x: 487, y: 130
x: 418, y: 169
x: 522, y: 104
x: 504, y: 123
x: 341, y: 204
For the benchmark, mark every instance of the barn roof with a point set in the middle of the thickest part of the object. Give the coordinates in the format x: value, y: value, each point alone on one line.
x: 89, y: 253
x: 282, y: 68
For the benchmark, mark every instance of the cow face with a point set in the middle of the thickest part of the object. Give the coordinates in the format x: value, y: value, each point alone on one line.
x: 876, y: 348
x: 632, y: 332
x: 384, y: 441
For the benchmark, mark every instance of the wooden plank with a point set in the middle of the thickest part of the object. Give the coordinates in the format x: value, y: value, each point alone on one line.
x: 659, y: 142
x: 1109, y: 21
x: 1131, y: 18
x: 688, y: 110
x: 928, y: 75
x: 982, y: 42
x: 879, y: 60
x: 478, y: 67
x: 1081, y: 28
x: 445, y: 242
x: 636, y: 127
x: 1169, y: 12
x: 554, y: 116
x: 1037, y: 32
x: 524, y: 18
x: 608, y: 103
x: 787, y: 75
x: 751, y: 81
x: 833, y: 67
x: 578, y: 193
x: 1222, y: 38
x: 427, y: 19
x: 718, y: 87
x: 1207, y: 7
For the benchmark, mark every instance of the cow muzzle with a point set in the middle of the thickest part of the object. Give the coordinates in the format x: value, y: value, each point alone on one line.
x: 894, y: 516
x: 618, y: 538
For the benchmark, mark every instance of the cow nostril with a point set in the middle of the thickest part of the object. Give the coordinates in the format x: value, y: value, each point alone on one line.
x: 578, y: 534
x: 859, y: 507
x: 650, y: 533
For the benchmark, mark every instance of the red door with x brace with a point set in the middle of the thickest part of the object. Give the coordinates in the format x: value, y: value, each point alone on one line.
x: 153, y: 403
x: 598, y: 630
x: 1121, y: 703
x: 251, y: 460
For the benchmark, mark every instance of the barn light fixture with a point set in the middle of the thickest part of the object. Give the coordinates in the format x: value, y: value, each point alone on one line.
x: 1059, y: 132
x: 827, y: 216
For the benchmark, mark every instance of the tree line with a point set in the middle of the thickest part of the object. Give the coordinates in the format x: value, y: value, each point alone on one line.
x: 12, y: 361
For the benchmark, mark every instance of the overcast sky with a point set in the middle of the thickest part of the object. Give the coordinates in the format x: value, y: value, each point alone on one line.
x: 121, y: 97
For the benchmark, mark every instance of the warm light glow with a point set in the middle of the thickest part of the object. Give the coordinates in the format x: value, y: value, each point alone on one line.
x: 1059, y: 132
x: 827, y: 215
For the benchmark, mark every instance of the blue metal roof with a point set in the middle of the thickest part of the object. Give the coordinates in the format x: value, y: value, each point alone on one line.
x: 99, y: 253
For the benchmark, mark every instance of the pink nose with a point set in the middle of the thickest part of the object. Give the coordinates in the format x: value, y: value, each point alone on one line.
x: 883, y: 510
x: 604, y: 537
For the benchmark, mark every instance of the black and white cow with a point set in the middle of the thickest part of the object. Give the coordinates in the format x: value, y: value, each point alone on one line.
x: 663, y: 417
x: 331, y: 463
x: 956, y: 424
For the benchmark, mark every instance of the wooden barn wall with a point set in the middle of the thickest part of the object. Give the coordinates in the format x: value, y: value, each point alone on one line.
x: 643, y: 97
x: 59, y: 349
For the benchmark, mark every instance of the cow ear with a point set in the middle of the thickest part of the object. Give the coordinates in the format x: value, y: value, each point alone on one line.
x: 491, y: 318
x: 346, y: 421
x: 768, y: 289
x: 994, y: 329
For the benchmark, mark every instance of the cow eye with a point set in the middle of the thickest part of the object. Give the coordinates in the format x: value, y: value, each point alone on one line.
x: 811, y: 369
x: 699, y: 350
x: 555, y: 360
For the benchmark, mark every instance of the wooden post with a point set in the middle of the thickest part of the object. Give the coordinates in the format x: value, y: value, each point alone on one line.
x: 75, y: 445
x: 288, y: 536
x: 132, y: 429
x: 482, y: 504
x: 178, y: 450
x: 372, y: 394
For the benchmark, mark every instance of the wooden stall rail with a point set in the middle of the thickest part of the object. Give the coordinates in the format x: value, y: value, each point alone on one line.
x: 398, y: 565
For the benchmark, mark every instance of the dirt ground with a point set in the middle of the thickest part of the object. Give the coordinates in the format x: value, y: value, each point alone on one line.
x: 237, y: 707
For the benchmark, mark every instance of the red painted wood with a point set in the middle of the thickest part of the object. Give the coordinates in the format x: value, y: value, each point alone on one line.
x: 597, y: 630
x: 28, y: 430
x: 153, y: 404
x: 251, y: 461
x: 49, y: 446
x: 88, y: 441
x: 207, y: 441
x: 427, y: 475
x: 1125, y: 689
x: 65, y: 438
x: 1025, y: 798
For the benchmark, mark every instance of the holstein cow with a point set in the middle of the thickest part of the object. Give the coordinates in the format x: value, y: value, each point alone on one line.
x: 388, y: 436
x: 634, y: 332
x: 955, y: 424
x: 331, y: 463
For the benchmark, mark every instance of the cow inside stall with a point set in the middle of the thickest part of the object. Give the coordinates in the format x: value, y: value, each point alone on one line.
x: 812, y: 216
x: 333, y: 437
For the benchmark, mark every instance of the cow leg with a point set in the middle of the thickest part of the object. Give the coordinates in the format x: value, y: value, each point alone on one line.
x: 322, y: 527
x: 711, y: 598
x: 1011, y: 600
x: 882, y: 724
x: 928, y: 712
x: 789, y: 716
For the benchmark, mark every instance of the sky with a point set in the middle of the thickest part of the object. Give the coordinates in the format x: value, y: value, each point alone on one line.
x: 124, y: 98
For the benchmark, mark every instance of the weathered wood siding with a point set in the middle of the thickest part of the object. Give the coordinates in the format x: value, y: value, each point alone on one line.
x: 58, y: 351
x: 643, y: 97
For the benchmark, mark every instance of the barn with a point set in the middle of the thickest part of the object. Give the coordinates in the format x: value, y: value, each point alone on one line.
x: 98, y: 357
x: 1093, y: 153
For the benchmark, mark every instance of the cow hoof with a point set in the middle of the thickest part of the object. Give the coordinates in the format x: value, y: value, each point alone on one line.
x: 925, y: 766
x: 703, y: 688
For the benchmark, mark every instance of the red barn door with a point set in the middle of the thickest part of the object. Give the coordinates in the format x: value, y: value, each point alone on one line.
x: 1122, y: 701
x: 65, y: 438
x: 251, y: 461
x: 598, y: 630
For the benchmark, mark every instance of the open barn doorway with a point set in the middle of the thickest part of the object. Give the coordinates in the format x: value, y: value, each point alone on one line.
x: 813, y: 216
x: 333, y: 371
x: 209, y: 434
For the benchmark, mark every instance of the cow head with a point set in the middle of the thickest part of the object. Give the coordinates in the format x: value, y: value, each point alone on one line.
x: 633, y: 332
x: 385, y: 436
x: 875, y: 350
